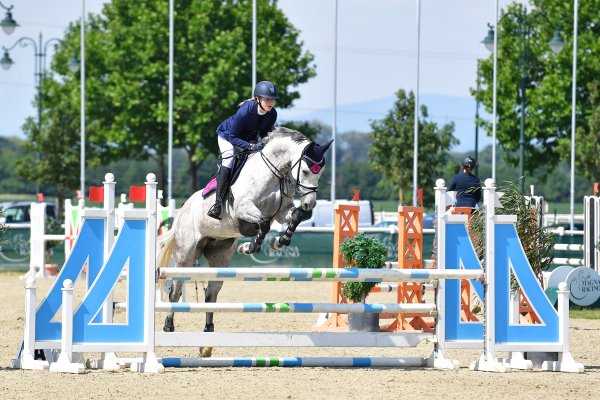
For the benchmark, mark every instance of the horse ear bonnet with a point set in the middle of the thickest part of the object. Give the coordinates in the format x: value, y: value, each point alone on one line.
x: 314, y: 156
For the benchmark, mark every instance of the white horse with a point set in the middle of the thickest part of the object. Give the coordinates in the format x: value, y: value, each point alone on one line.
x: 289, y: 164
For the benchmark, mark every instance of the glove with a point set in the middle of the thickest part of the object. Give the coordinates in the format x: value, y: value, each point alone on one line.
x: 256, y: 147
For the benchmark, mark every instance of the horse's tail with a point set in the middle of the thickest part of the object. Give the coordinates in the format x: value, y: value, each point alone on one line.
x: 166, y: 244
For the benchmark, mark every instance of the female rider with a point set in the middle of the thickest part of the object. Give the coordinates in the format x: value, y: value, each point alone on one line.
x: 254, y: 117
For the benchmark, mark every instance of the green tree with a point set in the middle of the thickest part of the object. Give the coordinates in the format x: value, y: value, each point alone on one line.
x: 547, y: 83
x: 391, y: 153
x: 127, y: 74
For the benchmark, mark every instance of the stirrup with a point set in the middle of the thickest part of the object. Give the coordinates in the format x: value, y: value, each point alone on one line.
x: 215, y: 211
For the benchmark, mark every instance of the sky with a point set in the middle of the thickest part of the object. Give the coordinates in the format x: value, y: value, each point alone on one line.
x: 377, y: 56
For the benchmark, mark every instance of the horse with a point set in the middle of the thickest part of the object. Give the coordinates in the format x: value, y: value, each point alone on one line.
x: 289, y: 164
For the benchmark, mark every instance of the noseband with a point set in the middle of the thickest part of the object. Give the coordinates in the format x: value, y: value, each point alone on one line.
x: 286, y: 180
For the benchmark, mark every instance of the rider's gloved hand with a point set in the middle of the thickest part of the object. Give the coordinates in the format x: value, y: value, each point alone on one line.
x: 256, y: 147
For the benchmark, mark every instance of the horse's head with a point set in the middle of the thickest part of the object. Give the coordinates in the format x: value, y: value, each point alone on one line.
x: 308, y: 171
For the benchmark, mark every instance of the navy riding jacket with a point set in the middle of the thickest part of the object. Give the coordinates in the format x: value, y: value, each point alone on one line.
x: 469, y: 183
x: 243, y: 127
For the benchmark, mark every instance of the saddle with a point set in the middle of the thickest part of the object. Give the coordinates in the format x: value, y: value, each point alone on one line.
x: 240, y: 161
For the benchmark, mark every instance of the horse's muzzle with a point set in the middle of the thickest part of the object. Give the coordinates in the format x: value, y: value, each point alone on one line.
x: 308, y: 201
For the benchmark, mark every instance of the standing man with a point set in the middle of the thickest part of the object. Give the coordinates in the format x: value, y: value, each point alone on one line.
x: 466, y: 185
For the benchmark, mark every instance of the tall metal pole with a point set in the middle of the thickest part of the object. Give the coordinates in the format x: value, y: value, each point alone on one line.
x: 523, y: 32
x: 254, y: 22
x: 170, y: 145
x: 494, y: 110
x: 573, y: 111
x: 38, y: 73
x: 476, y: 121
x: 416, y: 125
x: 82, y: 90
x: 334, y: 121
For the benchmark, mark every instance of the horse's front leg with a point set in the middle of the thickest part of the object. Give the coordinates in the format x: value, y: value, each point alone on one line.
x: 294, y: 218
x: 264, y: 226
x: 210, y: 296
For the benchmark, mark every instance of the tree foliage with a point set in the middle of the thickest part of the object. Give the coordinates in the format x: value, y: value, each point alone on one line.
x: 127, y: 77
x: 391, y: 152
x: 547, y: 79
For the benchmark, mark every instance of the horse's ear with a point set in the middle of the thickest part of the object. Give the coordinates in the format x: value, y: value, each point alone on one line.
x: 326, y: 146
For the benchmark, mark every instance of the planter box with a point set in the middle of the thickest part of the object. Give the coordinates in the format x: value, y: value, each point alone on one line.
x: 365, y: 322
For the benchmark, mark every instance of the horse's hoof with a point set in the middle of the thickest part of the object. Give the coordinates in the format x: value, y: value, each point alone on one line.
x: 206, y: 352
x: 243, y: 248
x: 169, y: 326
x: 274, y: 244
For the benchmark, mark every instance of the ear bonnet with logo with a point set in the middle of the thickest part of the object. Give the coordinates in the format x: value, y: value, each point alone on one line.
x: 314, y: 156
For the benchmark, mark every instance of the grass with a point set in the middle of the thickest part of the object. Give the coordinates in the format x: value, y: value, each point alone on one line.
x: 585, y: 313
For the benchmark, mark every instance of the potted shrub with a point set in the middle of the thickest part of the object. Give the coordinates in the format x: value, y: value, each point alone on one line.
x: 362, y: 251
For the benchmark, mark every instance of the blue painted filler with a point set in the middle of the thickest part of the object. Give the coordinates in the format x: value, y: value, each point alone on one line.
x: 129, y: 246
x: 459, y: 247
x: 292, y: 361
x: 253, y: 307
x: 303, y: 307
x: 180, y: 307
x: 172, y: 362
x: 226, y: 273
x: 242, y: 362
x: 89, y: 245
x: 180, y: 279
x: 350, y: 273
x: 508, y: 246
x: 361, y: 362
x: 420, y: 274
x: 373, y: 308
x: 298, y: 273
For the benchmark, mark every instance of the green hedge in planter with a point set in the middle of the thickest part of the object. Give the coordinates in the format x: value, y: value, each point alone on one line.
x: 362, y: 251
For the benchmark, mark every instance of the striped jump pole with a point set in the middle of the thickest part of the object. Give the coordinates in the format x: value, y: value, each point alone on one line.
x: 316, y: 274
x: 293, y: 308
x: 343, y: 362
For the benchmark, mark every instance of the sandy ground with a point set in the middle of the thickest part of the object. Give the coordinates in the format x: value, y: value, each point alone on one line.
x: 287, y: 383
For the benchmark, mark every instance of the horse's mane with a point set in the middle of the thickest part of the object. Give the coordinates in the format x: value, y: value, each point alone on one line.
x: 282, y: 132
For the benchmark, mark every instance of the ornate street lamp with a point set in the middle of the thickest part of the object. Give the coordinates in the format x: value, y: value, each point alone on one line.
x: 40, y: 50
x: 8, y: 24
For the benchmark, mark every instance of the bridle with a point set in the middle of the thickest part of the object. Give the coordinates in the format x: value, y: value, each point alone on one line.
x: 286, y: 181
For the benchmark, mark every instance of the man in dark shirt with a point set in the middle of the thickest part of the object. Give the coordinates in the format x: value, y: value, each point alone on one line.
x: 466, y: 185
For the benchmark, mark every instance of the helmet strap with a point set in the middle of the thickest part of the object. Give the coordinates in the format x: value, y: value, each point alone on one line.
x: 260, y: 104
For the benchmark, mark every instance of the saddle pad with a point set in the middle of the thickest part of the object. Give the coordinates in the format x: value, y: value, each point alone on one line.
x: 210, y: 187
x: 237, y: 168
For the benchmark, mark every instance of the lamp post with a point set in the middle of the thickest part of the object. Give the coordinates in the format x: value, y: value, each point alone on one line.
x: 477, y: 120
x: 8, y: 24
x: 556, y: 44
x: 40, y: 50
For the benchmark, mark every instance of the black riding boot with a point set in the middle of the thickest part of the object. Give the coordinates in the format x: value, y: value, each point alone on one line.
x: 222, y: 187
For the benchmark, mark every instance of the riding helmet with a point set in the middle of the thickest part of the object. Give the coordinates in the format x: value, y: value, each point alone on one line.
x: 266, y: 89
x: 469, y: 162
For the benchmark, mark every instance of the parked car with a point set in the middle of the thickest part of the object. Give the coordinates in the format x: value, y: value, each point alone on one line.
x: 18, y: 212
x: 427, y: 222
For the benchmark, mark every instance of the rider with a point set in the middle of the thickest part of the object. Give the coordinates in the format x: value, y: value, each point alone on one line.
x: 255, y: 116
x: 467, y: 185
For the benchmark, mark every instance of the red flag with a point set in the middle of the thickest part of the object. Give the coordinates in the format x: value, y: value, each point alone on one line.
x: 356, y: 195
x: 40, y: 197
x: 420, y: 195
x: 137, y: 193
x: 96, y: 194
x: 595, y: 188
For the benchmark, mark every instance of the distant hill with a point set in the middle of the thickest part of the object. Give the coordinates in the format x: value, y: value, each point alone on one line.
x: 442, y: 109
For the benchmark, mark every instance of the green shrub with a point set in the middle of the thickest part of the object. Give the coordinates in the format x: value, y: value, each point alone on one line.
x: 362, y: 251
